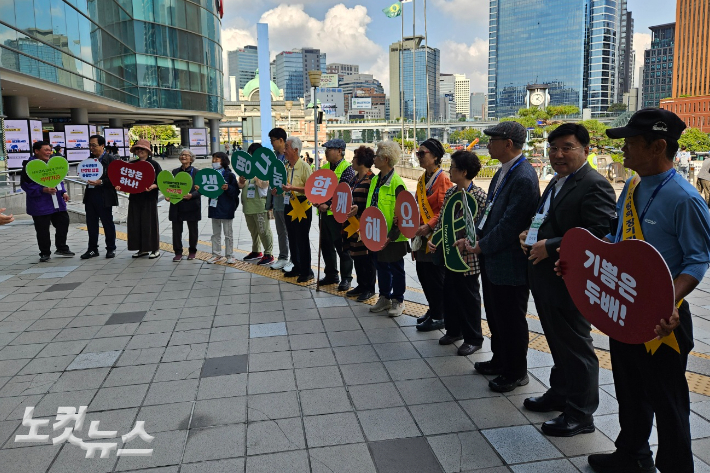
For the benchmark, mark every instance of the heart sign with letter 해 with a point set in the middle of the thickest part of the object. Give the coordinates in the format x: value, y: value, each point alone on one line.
x: 48, y: 174
x: 209, y: 183
x: 373, y: 229
x: 134, y: 177
x: 624, y: 289
x: 174, y: 188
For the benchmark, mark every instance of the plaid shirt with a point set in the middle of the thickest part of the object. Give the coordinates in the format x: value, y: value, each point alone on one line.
x: 480, y: 196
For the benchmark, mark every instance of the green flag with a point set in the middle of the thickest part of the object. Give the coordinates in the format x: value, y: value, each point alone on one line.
x: 393, y: 10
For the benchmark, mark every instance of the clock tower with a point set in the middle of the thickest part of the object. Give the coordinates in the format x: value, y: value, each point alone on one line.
x: 537, y: 96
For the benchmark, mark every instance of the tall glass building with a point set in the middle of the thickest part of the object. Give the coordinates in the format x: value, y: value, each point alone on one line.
x: 426, y: 63
x: 242, y: 64
x: 114, y: 56
x: 290, y: 70
x: 657, y: 77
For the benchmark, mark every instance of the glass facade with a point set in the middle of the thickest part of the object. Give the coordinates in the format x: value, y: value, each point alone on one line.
x: 288, y: 69
x: 423, y: 69
x: 145, y: 53
x: 242, y: 64
x: 658, y: 66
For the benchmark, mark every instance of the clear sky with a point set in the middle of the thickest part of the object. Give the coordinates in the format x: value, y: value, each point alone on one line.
x: 357, y: 32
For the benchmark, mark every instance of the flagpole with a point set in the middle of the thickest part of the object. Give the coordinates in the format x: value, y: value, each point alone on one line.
x: 414, y: 72
x: 401, y: 77
x: 426, y: 74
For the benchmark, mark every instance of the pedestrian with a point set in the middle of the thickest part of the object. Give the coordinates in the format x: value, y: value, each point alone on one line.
x: 275, y: 203
x: 703, y: 181
x: 5, y: 219
x: 142, y: 221
x: 431, y: 189
x: 649, y: 379
x: 384, y: 189
x: 100, y: 197
x: 331, y: 239
x: 188, y: 210
x: 683, y: 160
x: 155, y: 150
x: 226, y: 148
x: 254, y: 192
x: 578, y: 196
x: 298, y: 227
x: 57, y: 151
x: 47, y: 206
x: 362, y: 259
x: 461, y: 290
x: 221, y: 210
x: 512, y: 196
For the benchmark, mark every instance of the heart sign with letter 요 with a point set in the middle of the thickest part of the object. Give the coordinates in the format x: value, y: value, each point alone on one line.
x: 320, y: 186
x: 209, y: 183
x: 243, y: 164
x: 90, y: 169
x: 48, y: 174
x: 406, y: 210
x: 342, y: 201
x: 624, y: 289
x: 133, y: 177
x: 373, y: 229
x: 174, y: 188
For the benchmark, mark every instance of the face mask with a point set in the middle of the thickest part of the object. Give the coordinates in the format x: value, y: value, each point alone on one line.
x: 216, y: 165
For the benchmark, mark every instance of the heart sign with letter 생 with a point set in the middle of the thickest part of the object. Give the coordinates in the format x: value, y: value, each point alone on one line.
x: 209, y: 183
x: 320, y: 186
x: 373, y: 229
x: 133, y: 177
x: 174, y: 188
x: 342, y: 201
x: 406, y: 210
x: 90, y: 169
x: 624, y: 289
x: 48, y: 174
x: 243, y: 164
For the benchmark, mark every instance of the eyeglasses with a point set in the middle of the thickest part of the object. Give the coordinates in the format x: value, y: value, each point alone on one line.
x: 421, y: 154
x: 93, y: 145
x: 498, y: 139
x: 564, y: 149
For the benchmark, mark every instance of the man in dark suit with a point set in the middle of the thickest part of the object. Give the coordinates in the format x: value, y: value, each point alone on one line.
x: 578, y: 196
x: 100, y: 198
x: 512, y: 196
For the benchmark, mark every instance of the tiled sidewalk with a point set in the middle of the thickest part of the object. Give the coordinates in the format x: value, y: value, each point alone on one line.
x: 236, y: 372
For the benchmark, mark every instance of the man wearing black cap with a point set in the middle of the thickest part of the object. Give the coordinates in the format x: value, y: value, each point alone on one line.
x: 650, y: 378
x: 511, y: 204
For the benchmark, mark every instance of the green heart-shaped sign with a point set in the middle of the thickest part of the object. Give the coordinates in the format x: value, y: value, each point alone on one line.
x: 48, y: 174
x: 243, y: 164
x: 269, y: 168
x: 174, y: 188
x: 209, y: 183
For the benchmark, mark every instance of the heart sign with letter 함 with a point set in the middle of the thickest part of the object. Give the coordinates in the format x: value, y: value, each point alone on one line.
x: 624, y: 289
x: 320, y: 186
x: 174, y: 188
x: 209, y: 183
x: 133, y: 177
x: 243, y: 164
x: 48, y: 174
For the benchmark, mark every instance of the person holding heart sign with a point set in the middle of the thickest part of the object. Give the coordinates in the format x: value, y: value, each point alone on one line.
x: 188, y: 210
x: 221, y: 210
x: 254, y: 193
x: 100, y: 198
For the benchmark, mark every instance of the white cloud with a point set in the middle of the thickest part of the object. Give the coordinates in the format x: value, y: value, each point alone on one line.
x: 642, y: 42
x: 468, y: 11
x: 470, y: 59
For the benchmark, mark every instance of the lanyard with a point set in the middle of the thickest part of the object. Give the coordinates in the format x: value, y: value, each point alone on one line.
x: 505, y: 179
x: 553, y: 190
x: 355, y: 181
x: 470, y: 187
x: 655, y: 193
x: 380, y: 182
x: 293, y: 170
x: 430, y: 186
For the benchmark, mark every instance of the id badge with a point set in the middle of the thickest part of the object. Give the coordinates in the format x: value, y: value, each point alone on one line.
x: 485, y: 216
x: 534, y: 227
x: 251, y: 192
x: 213, y: 202
x: 287, y: 198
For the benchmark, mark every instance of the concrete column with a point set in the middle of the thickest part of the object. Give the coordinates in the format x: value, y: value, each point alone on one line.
x: 446, y: 135
x: 79, y: 116
x: 184, y: 136
x: 198, y: 122
x: 17, y: 106
x: 214, y: 134
x: 115, y: 123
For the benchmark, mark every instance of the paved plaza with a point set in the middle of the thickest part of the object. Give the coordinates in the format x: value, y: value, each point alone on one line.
x: 233, y: 369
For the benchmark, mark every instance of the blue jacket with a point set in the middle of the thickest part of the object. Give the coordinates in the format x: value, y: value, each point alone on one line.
x: 37, y: 202
x: 228, y: 201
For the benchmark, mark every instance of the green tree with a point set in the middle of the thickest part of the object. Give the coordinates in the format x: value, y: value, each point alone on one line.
x: 616, y: 107
x: 347, y: 136
x: 695, y: 140
x: 154, y: 132
x: 597, y: 135
x: 468, y: 135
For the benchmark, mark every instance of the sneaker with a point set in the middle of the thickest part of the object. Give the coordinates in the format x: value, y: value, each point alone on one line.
x: 110, y: 254
x: 90, y: 254
x: 231, y: 260
x: 382, y: 304
x: 279, y: 264
x: 397, y: 309
x: 253, y: 256
x: 288, y: 268
x: 266, y: 260
x: 177, y: 258
x: 220, y: 260
x: 154, y: 255
x: 64, y: 253
x: 138, y: 254
x: 212, y: 260
x: 191, y: 256
x: 44, y: 258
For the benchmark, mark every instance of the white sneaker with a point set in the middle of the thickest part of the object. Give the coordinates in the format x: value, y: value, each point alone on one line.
x: 397, y: 309
x: 220, y: 259
x: 382, y: 304
x: 231, y: 260
x: 279, y: 264
x: 288, y: 267
x: 154, y: 255
x: 212, y: 259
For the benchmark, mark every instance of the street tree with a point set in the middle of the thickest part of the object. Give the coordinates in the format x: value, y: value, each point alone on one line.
x: 695, y: 140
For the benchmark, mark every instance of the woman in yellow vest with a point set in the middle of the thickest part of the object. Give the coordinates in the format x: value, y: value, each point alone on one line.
x: 390, y: 260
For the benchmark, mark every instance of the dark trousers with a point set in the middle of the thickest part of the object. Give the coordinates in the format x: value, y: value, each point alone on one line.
x: 431, y: 277
x: 366, y: 272
x: 332, y: 247
x: 193, y: 233
x: 506, y: 307
x: 60, y: 221
x: 96, y: 211
x: 462, y: 307
x: 391, y: 279
x: 653, y: 384
x: 299, y: 243
x: 574, y: 378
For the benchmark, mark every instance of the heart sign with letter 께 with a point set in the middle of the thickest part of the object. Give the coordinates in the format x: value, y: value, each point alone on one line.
x: 407, y: 211
x: 209, y: 183
x: 174, y: 188
x: 48, y: 174
x: 624, y: 289
x: 90, y: 169
x: 320, y: 186
x: 342, y: 201
x: 373, y: 229
x: 243, y: 164
x: 133, y: 177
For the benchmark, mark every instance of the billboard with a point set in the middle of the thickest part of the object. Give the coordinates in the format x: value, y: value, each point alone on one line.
x: 36, y: 131
x: 329, y: 80
x: 57, y: 138
x: 114, y: 136
x: 17, y: 136
x: 329, y: 108
x: 198, y: 140
x: 77, y: 136
x: 362, y: 103
x: 92, y: 129
x: 76, y: 155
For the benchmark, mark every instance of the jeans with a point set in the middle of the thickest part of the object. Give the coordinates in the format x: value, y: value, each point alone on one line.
x: 391, y: 280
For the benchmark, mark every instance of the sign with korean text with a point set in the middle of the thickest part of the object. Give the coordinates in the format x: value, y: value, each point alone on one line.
x: 77, y: 136
x: 624, y: 289
x: 342, y: 201
x: 36, y: 131
x: 56, y: 138
x: 209, y: 183
x: 373, y: 229
x: 132, y: 177
x: 90, y: 169
x: 243, y: 164
x: 17, y: 136
x: 268, y: 167
x: 176, y: 187
x: 75, y: 155
x: 407, y: 212
x: 198, y: 140
x: 457, y: 215
x: 321, y: 185
x: 362, y: 103
x: 114, y: 136
x: 48, y: 174
x: 329, y: 80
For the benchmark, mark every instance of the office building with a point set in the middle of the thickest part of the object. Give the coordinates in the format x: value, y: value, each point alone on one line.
x: 418, y: 63
x: 447, y: 107
x: 462, y: 95
x: 361, y: 85
x: 657, y: 78
x: 447, y: 85
x: 342, y: 69
x: 478, y: 104
x: 626, y: 54
x: 242, y: 64
x: 291, y: 68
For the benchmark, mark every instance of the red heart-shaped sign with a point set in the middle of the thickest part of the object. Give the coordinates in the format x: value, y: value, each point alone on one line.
x: 342, y: 201
x: 624, y: 289
x: 373, y: 229
x: 320, y: 186
x: 406, y: 210
x: 134, y: 177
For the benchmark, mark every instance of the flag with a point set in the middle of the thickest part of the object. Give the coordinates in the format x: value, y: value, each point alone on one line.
x: 219, y: 4
x: 393, y: 10
x: 405, y: 1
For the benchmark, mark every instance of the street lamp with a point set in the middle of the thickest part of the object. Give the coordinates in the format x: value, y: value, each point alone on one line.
x: 314, y: 77
x: 289, y: 105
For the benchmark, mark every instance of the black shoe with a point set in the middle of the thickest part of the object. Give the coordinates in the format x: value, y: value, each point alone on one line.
x: 365, y: 296
x: 422, y: 319
x: 486, y: 367
x: 44, y: 258
x: 306, y: 278
x: 356, y: 291
x: 110, y: 254
x: 619, y: 462
x: 90, y: 254
x: 64, y: 253
x: 467, y: 349
x: 544, y: 403
x: 430, y: 325
x: 448, y: 339
x: 329, y: 280
x: 291, y: 274
x: 566, y: 426
x: 344, y: 285
x: 503, y: 384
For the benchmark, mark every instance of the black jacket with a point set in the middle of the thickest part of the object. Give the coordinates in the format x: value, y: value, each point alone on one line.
x: 228, y: 201
x: 107, y: 189
x: 187, y: 210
